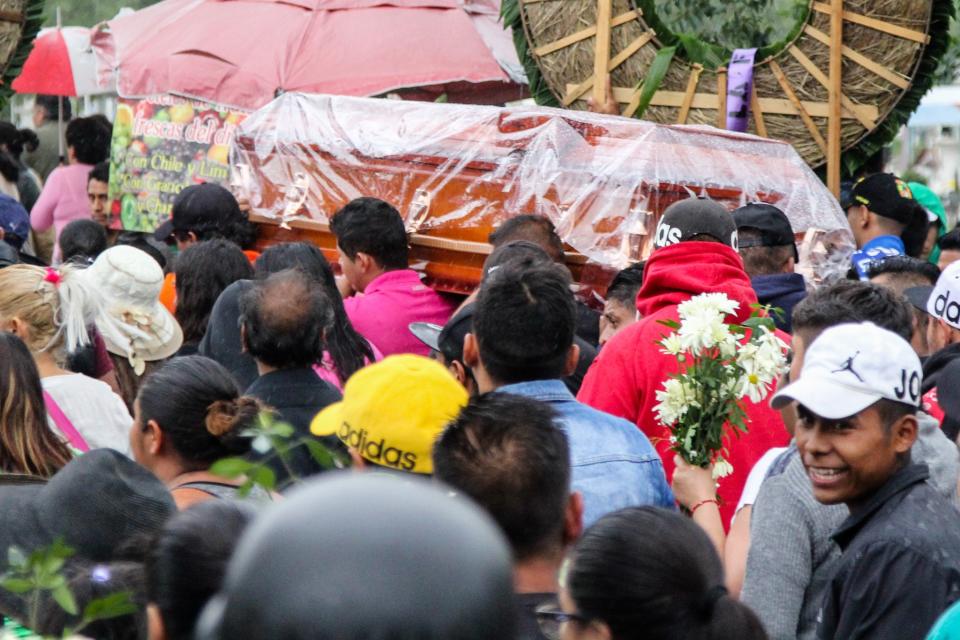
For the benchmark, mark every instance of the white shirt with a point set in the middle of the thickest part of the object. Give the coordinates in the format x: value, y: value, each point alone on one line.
x: 757, y: 475
x: 95, y: 411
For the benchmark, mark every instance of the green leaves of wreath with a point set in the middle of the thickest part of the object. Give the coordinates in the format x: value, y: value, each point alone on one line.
x: 690, y: 46
x: 708, y: 32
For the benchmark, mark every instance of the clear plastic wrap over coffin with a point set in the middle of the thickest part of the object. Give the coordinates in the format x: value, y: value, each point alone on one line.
x: 457, y: 171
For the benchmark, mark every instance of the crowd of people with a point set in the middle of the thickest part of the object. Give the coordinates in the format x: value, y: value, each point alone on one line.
x: 413, y: 464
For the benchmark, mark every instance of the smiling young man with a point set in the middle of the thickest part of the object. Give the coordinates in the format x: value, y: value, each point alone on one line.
x: 857, y: 397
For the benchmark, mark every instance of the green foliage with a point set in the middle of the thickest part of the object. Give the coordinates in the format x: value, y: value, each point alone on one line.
x: 950, y: 62
x: 650, y: 84
x: 33, y: 18
x: 38, y: 574
x: 86, y: 13
x: 273, y: 440
x: 711, y: 29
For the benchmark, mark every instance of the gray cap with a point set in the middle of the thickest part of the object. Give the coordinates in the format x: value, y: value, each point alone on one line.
x: 352, y: 556
x: 693, y: 217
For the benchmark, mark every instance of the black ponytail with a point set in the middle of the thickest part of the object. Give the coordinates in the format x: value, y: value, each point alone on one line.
x: 653, y: 574
x: 27, y: 141
x: 197, y: 404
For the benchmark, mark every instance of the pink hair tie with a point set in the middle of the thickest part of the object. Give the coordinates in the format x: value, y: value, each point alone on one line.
x: 53, y: 276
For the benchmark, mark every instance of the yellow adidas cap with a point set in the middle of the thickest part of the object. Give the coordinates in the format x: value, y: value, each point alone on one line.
x: 393, y: 411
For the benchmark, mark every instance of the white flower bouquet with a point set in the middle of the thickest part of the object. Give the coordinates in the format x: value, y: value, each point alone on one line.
x: 721, y: 365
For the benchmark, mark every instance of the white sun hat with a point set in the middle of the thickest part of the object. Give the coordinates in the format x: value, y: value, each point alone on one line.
x: 851, y: 366
x: 132, y: 321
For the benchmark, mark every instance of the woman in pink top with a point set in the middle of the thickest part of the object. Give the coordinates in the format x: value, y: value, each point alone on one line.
x: 64, y: 196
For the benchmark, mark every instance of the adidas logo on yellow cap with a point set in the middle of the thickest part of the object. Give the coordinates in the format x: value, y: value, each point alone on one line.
x: 393, y: 411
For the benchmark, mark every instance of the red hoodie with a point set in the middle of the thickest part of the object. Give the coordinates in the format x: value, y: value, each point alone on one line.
x: 630, y: 368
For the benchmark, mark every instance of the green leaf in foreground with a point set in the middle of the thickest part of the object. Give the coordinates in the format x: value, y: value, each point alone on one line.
x: 231, y: 467
x: 653, y: 80
x: 111, y: 606
x: 65, y: 599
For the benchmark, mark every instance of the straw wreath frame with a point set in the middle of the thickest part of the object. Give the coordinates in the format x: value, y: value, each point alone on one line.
x: 891, y: 49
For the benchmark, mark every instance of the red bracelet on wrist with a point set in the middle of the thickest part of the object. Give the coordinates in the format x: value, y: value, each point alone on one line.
x: 703, y: 502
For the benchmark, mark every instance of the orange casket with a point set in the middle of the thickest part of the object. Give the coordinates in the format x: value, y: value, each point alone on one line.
x: 456, y: 171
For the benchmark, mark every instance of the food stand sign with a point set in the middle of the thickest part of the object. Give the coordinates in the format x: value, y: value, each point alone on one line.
x: 161, y: 145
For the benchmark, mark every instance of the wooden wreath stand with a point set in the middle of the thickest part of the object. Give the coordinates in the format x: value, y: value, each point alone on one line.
x: 603, y: 64
x: 837, y: 107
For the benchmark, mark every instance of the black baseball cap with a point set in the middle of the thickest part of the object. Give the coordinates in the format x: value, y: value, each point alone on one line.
x: 694, y: 217
x: 771, y: 222
x: 200, y: 207
x: 886, y: 195
x: 918, y: 296
x: 447, y: 339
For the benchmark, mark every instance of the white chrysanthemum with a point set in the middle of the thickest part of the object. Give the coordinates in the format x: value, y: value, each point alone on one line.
x: 729, y: 346
x: 672, y: 346
x: 673, y: 401
x: 762, y: 360
x: 703, y: 332
x: 707, y: 304
x: 753, y: 387
x: 771, y: 356
x: 721, y: 469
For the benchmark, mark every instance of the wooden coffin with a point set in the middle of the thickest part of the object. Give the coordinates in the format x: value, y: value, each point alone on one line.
x: 456, y: 172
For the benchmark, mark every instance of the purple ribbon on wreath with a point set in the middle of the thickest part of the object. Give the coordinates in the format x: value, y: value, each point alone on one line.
x: 739, y: 88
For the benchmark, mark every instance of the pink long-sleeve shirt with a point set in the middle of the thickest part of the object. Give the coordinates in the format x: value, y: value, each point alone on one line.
x: 383, y: 313
x: 63, y: 200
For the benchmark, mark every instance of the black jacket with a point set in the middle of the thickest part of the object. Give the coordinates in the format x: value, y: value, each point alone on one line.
x: 296, y: 395
x: 900, y: 567
x: 936, y: 363
x: 782, y: 291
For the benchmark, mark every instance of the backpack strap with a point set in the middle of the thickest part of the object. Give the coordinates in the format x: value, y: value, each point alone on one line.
x: 64, y: 425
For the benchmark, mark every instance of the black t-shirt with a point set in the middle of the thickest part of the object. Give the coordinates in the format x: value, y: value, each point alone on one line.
x: 527, y: 605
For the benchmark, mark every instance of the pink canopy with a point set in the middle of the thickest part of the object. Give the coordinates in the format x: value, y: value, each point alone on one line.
x: 243, y: 52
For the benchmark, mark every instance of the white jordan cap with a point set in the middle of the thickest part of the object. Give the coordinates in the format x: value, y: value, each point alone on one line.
x: 851, y: 366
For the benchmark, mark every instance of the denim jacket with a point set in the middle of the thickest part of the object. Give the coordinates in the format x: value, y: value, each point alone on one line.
x: 614, y: 464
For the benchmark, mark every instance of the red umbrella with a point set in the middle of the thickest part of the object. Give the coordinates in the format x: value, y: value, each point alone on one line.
x: 48, y: 69
x: 61, y: 63
x: 242, y: 52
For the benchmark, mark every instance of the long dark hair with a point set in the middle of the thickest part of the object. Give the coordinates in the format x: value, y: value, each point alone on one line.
x: 349, y: 350
x: 27, y: 445
x: 188, y: 560
x: 203, y: 271
x: 198, y: 406
x: 16, y: 139
x: 653, y: 574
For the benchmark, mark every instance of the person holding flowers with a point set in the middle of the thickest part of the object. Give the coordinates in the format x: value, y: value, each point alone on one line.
x: 695, y: 252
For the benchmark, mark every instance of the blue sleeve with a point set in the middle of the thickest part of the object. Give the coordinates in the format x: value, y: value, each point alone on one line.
x: 665, y: 495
